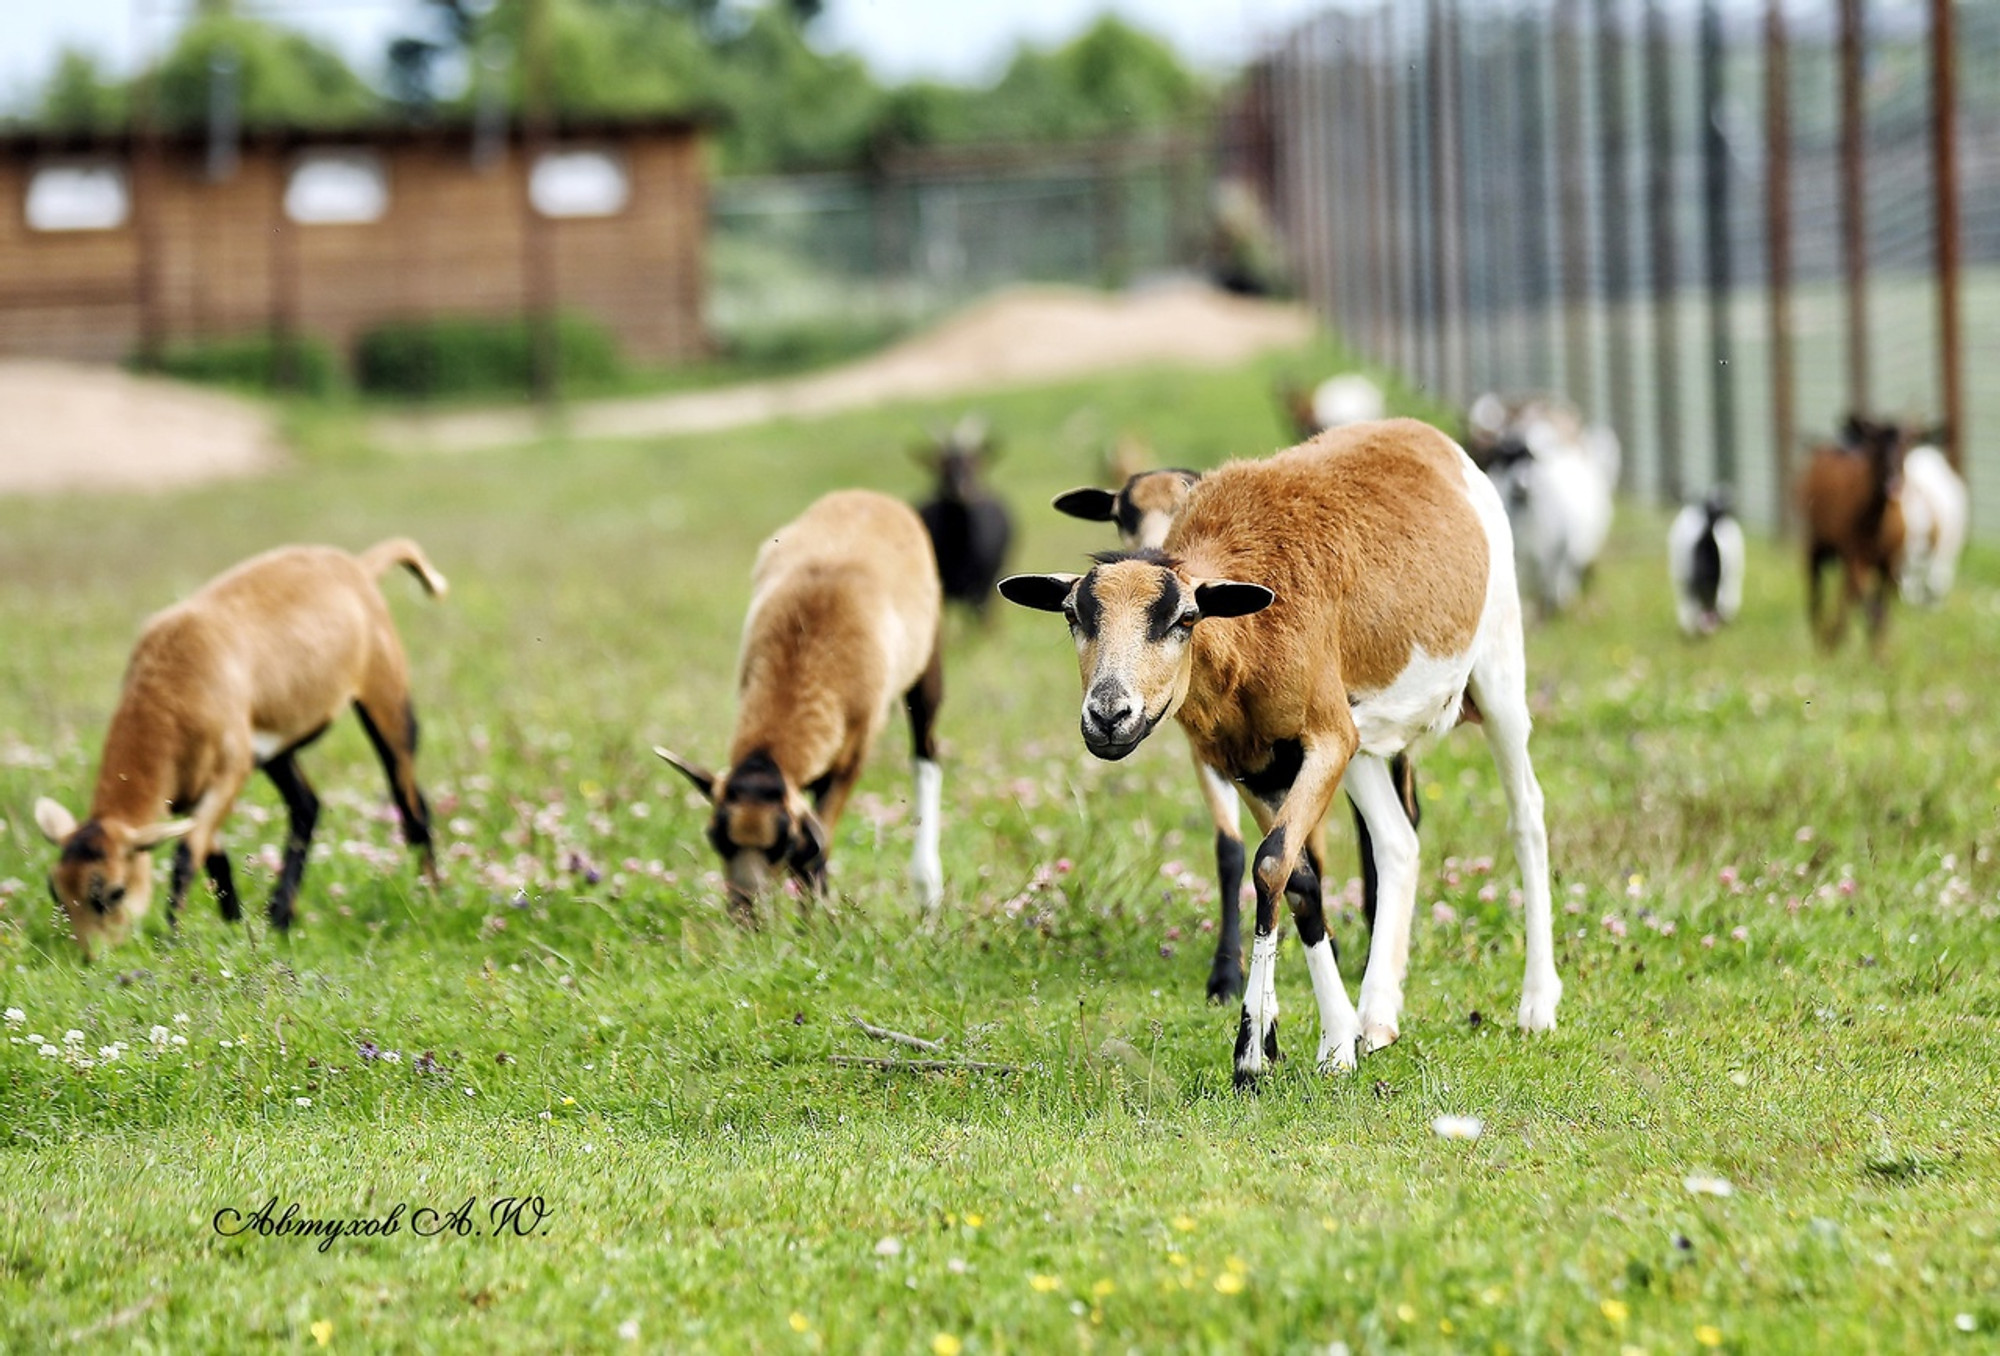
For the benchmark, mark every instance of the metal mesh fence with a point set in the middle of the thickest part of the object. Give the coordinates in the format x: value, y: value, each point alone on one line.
x: 1651, y: 207
x: 930, y: 230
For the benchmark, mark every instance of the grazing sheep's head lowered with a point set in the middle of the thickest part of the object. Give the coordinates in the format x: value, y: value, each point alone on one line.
x: 760, y: 825
x: 1133, y: 618
x: 103, y: 878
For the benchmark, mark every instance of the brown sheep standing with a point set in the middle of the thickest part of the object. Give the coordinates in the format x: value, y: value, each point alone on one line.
x: 1848, y: 502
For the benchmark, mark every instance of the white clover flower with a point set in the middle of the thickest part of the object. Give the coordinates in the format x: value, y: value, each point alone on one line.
x: 180, y: 1019
x: 180, y: 1040
x: 1700, y: 1185
x: 889, y: 1246
x: 107, y: 1053
x: 72, y: 1037
x: 15, y: 1016
x: 1458, y: 1127
x: 302, y: 1101
x: 159, y: 1035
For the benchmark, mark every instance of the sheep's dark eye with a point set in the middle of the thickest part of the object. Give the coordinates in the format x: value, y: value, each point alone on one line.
x: 117, y: 894
x: 1185, y: 622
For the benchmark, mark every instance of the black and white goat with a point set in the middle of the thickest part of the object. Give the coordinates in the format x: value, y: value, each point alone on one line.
x: 1555, y: 474
x: 969, y: 527
x: 1143, y: 509
x: 844, y: 619
x: 1705, y: 563
x: 1307, y: 617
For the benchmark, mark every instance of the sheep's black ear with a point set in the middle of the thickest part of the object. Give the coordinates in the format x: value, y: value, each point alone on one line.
x: 703, y: 779
x: 1089, y: 503
x: 1043, y: 592
x: 1228, y: 598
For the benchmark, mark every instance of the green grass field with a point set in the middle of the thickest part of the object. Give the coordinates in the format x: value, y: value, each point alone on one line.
x: 1777, y: 898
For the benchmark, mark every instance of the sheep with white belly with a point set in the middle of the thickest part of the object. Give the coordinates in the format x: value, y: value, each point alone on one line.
x: 1144, y: 510
x: 1308, y: 617
x: 844, y: 618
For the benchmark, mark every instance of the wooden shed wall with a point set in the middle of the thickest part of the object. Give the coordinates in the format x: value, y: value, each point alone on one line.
x: 226, y: 260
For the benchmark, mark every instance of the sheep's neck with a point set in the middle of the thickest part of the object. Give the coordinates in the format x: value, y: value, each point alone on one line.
x: 134, y: 777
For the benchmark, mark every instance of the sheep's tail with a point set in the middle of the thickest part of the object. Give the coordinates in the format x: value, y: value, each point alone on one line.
x: 402, y: 551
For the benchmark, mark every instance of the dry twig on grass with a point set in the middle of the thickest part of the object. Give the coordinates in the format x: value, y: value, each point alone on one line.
x: 893, y: 1063
x: 935, y: 1047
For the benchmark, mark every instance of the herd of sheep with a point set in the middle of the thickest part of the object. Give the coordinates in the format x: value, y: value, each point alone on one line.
x: 1309, y: 620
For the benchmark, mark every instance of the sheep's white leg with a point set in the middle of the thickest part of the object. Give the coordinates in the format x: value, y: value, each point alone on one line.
x: 1339, y: 1025
x: 1499, y: 687
x: 1394, y: 839
x: 926, y: 866
x: 1257, y: 1040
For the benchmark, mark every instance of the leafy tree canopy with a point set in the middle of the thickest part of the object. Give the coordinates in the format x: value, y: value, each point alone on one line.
x: 782, y: 103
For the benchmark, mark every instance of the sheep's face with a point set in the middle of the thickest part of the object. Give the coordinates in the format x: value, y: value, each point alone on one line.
x: 759, y: 826
x: 103, y: 878
x: 1133, y: 619
x: 1143, y: 510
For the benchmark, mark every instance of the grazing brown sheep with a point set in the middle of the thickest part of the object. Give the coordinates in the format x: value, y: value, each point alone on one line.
x: 845, y: 607
x: 240, y: 676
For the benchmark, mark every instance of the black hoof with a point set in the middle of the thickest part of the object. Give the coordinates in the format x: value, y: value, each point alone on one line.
x: 281, y: 916
x: 1225, y: 979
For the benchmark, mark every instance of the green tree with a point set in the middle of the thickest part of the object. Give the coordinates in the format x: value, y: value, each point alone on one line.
x: 80, y: 97
x: 282, y: 77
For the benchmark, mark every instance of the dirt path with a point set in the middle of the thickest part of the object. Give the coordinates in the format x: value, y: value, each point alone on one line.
x: 68, y: 426
x: 1021, y: 337
x: 72, y: 427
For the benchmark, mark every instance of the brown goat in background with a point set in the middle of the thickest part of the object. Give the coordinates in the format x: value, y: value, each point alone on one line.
x: 1848, y: 503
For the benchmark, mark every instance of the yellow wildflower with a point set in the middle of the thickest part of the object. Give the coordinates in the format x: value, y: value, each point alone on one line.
x: 1229, y: 1283
x: 1615, y: 1310
x: 1708, y: 1335
x: 800, y: 1322
x: 1042, y: 1283
x: 944, y: 1344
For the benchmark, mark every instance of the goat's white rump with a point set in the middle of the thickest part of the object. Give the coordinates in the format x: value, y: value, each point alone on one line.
x: 1934, y: 523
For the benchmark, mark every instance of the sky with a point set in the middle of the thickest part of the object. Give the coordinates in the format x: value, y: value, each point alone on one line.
x: 964, y: 41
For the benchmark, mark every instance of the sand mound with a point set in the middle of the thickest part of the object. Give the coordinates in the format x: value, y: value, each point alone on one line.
x: 73, y: 427
x: 1019, y: 337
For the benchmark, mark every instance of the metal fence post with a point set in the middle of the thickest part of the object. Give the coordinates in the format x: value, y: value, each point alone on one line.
x: 1616, y: 215
x: 1661, y: 205
x: 1778, y: 209
x: 1854, y: 202
x: 1944, y: 116
x: 1572, y: 222
x: 1715, y: 210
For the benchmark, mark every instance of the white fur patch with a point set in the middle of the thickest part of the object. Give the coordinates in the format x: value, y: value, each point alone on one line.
x: 926, y: 864
x: 1339, y: 1025
x: 265, y: 746
x: 1422, y: 700
x: 1260, y: 1000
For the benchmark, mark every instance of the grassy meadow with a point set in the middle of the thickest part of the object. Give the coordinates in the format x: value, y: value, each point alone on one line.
x: 1765, y: 1123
